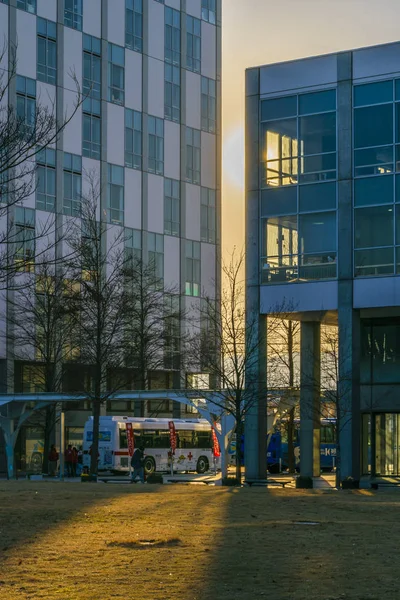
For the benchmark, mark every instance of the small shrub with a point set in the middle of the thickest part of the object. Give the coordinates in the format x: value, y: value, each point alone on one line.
x: 304, y: 483
x: 155, y: 478
x: 230, y: 481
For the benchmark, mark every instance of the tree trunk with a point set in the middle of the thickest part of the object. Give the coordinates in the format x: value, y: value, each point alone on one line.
x: 48, y: 428
x: 238, y: 449
x: 95, y: 444
x: 291, y: 459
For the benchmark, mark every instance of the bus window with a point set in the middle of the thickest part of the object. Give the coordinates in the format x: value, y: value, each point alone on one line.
x: 186, y: 438
x: 203, y: 439
x: 123, y: 442
x: 161, y: 439
x: 327, y: 434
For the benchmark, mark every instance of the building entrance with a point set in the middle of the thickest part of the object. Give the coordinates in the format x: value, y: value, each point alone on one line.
x: 381, y: 444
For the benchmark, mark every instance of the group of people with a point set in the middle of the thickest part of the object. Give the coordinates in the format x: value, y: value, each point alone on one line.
x: 72, y: 458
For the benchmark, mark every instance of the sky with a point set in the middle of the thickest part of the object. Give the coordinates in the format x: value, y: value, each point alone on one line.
x: 257, y: 32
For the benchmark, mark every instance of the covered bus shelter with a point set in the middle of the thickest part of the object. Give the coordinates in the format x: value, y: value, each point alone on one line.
x: 17, y: 409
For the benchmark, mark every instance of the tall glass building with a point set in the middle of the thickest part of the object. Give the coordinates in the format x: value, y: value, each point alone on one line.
x: 149, y: 129
x: 323, y: 236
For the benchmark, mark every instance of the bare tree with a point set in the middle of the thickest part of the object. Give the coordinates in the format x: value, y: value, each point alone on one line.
x: 225, y: 345
x: 153, y: 329
x: 102, y: 301
x: 28, y: 127
x: 40, y: 318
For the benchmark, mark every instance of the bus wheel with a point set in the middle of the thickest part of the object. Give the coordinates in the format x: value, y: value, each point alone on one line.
x: 149, y: 465
x: 202, y: 464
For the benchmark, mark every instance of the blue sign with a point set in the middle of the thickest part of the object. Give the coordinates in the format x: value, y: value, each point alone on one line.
x: 104, y: 436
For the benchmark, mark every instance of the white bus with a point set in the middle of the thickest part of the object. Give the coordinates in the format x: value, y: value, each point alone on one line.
x: 194, y: 444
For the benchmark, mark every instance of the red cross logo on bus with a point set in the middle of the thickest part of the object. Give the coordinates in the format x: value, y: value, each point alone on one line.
x: 190, y: 456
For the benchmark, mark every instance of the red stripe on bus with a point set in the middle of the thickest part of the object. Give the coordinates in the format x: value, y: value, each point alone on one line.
x: 121, y: 453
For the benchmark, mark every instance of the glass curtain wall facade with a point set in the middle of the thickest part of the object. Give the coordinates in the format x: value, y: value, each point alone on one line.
x: 298, y: 187
x: 323, y: 212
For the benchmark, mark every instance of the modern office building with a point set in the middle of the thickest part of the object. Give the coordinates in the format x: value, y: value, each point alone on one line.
x: 323, y: 233
x: 149, y: 129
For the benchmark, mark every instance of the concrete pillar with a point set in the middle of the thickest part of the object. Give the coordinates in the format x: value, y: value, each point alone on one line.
x: 256, y: 417
x: 310, y: 399
x: 348, y: 397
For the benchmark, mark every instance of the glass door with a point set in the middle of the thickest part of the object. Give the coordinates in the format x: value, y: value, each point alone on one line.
x: 387, y: 444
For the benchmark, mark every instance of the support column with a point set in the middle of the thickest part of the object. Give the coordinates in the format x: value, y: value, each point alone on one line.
x: 310, y: 399
x: 255, y: 426
x: 348, y: 404
x: 348, y: 396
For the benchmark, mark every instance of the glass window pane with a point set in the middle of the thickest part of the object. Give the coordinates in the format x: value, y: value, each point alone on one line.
x: 317, y: 197
x: 317, y: 133
x: 374, y: 262
x: 373, y: 226
x: 317, y: 102
x: 278, y: 108
x: 373, y: 126
x: 373, y: 190
x: 373, y: 161
x: 373, y: 93
x: 280, y: 236
x: 279, y: 201
x: 317, y: 233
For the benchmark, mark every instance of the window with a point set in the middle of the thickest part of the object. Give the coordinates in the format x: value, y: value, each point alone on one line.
x: 25, y: 238
x: 373, y: 126
x: 133, y: 139
x: 193, y: 155
x: 155, y: 128
x: 91, y: 74
x: 208, y: 105
x: 28, y: 5
x: 193, y: 44
x: 373, y: 190
x: 115, y: 194
x: 171, y: 331
x: 193, y: 281
x: 134, y: 25
x: 46, y: 51
x: 155, y: 248
x: 91, y: 136
x: 26, y: 102
x: 172, y: 98
x: 172, y: 36
x: 72, y: 184
x: 133, y: 245
x: 171, y: 207
x: 46, y: 180
x: 116, y: 74
x: 73, y: 14
x: 302, y: 149
x: 373, y: 233
x: 208, y: 11
x: 207, y: 217
x: 373, y: 226
x: 319, y: 196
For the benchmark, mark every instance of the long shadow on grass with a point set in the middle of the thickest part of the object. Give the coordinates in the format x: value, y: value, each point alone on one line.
x: 293, y: 545
x: 28, y: 510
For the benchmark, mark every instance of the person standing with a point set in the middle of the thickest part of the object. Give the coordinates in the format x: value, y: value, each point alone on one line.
x: 53, y: 459
x: 74, y: 461
x: 137, y: 462
x: 69, y: 460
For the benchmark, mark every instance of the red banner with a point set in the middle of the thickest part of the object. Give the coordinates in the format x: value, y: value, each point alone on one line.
x: 129, y: 437
x: 216, y: 448
x: 172, y: 436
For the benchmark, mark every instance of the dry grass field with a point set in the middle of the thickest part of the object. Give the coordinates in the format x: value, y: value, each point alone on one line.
x: 98, y: 542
